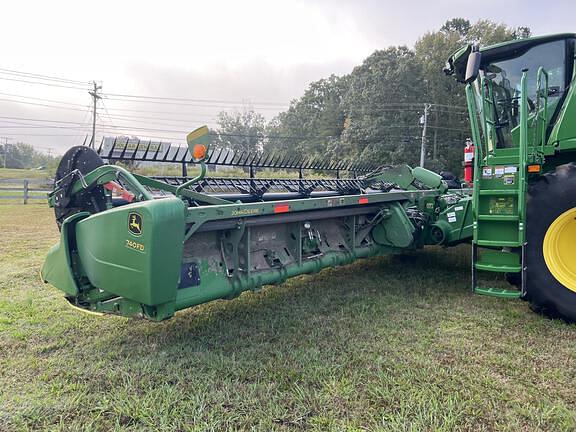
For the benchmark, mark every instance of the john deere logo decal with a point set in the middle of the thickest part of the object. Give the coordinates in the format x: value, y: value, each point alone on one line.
x: 135, y: 224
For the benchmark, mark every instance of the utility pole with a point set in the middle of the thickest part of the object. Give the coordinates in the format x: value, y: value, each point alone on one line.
x: 424, y: 122
x: 435, y: 148
x: 5, y: 149
x: 95, y: 97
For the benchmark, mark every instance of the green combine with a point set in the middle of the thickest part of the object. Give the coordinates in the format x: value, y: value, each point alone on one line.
x: 522, y: 105
x: 143, y: 246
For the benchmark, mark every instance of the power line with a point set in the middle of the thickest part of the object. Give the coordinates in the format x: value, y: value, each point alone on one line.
x: 31, y: 126
x: 210, y: 117
x: 137, y: 119
x: 145, y: 119
x: 42, y: 135
x: 42, y: 99
x: 263, y: 108
x: 40, y: 76
x: 137, y: 128
x: 195, y: 100
x: 111, y: 109
x: 43, y: 83
x: 153, y: 112
x: 42, y: 105
x: 373, y: 108
x: 107, y: 113
x: 37, y: 120
x: 84, y: 121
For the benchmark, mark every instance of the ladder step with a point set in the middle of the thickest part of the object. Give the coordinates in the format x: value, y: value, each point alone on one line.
x: 498, y: 192
x: 501, y: 268
x: 498, y: 243
x: 497, y: 292
x: 500, y: 261
x: 498, y: 217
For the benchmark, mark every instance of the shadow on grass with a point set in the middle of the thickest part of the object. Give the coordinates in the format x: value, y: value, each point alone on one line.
x: 357, y: 295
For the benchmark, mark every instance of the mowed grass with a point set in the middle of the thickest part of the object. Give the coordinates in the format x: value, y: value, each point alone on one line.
x: 393, y: 343
x: 10, y: 173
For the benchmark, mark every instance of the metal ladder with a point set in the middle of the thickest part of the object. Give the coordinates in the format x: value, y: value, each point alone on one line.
x: 499, y: 196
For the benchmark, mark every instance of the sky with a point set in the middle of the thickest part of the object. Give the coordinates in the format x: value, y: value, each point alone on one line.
x: 218, y: 54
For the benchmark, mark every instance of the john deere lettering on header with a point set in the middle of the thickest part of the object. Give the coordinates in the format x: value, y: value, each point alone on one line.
x: 149, y: 246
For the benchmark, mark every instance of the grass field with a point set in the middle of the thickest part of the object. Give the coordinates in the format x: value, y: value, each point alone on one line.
x: 8, y: 173
x: 394, y: 343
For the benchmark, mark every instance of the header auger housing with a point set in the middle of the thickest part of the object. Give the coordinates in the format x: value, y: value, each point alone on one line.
x: 148, y: 246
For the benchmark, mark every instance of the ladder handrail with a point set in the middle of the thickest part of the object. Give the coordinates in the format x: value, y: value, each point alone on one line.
x: 523, y: 153
x: 478, y: 156
x: 541, y: 115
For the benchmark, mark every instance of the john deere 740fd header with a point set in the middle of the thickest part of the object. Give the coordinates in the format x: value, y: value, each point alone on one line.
x: 144, y: 246
x: 148, y: 246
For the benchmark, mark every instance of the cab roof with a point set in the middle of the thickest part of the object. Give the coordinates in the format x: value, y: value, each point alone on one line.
x: 515, y: 48
x: 456, y: 64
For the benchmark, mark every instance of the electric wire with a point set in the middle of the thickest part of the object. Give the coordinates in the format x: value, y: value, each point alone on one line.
x: 45, y: 83
x: 40, y: 76
x: 175, y: 99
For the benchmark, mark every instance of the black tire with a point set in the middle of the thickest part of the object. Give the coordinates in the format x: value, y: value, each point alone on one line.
x: 550, y: 196
x: 514, y: 279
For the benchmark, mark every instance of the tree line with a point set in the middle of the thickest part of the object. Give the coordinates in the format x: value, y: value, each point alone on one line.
x: 22, y: 155
x: 375, y: 112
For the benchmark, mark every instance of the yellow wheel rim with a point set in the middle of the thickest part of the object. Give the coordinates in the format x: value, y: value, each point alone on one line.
x: 560, y: 249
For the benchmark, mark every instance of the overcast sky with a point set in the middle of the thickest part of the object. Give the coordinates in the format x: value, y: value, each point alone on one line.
x: 221, y: 53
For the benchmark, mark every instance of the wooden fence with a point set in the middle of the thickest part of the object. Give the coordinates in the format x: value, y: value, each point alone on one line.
x: 29, y: 189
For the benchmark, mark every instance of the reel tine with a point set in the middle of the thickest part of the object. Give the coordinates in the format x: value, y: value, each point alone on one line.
x: 147, y: 148
x: 257, y: 163
x: 228, y: 157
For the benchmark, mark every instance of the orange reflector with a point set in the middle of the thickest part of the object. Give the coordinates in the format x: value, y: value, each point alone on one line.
x: 363, y: 200
x: 281, y: 208
x: 533, y: 168
x: 199, y: 151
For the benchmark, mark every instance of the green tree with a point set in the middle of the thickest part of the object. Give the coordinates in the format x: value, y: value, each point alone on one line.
x: 458, y: 26
x: 22, y: 155
x: 313, y: 122
x: 240, y: 131
x: 448, y: 120
x: 373, y: 113
x: 381, y: 107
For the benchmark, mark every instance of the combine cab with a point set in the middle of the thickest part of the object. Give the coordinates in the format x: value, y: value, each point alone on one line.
x: 522, y: 106
x: 149, y: 246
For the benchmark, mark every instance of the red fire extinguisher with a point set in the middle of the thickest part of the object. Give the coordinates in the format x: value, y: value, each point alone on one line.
x: 469, y: 161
